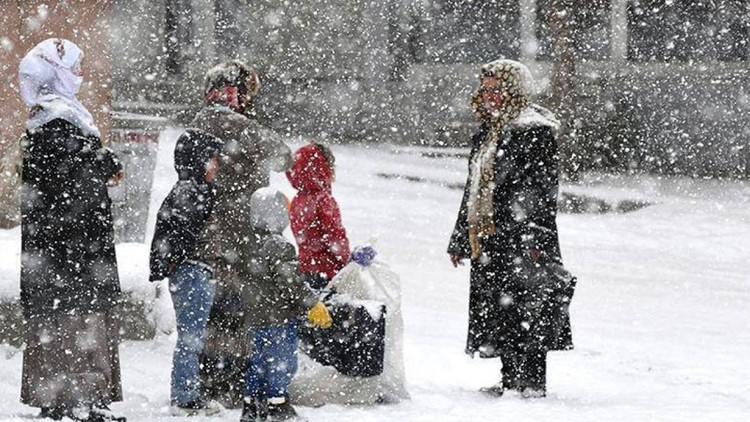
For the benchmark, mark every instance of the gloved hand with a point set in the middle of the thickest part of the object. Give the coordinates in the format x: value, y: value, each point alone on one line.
x: 318, y: 316
x: 363, y: 255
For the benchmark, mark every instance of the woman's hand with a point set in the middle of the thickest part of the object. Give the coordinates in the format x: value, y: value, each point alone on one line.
x: 115, y: 180
x: 457, y: 260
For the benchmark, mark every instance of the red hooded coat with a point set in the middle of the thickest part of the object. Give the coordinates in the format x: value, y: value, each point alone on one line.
x: 315, y: 216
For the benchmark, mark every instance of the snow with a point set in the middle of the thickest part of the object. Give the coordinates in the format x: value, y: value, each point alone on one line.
x: 660, y: 316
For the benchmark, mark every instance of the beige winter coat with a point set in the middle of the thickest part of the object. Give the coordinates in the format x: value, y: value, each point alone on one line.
x: 250, y: 153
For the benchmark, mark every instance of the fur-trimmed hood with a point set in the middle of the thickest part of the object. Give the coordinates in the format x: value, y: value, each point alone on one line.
x: 535, y: 116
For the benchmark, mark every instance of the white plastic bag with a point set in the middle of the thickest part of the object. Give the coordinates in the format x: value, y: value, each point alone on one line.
x: 160, y: 311
x: 316, y: 385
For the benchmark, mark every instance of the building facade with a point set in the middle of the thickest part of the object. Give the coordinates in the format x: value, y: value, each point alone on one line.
x: 660, y: 85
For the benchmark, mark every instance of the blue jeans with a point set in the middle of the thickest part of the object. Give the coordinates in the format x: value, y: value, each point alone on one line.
x: 192, y: 297
x: 273, y: 361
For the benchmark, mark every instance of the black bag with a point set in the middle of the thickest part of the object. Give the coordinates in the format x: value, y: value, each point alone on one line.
x: 355, y: 342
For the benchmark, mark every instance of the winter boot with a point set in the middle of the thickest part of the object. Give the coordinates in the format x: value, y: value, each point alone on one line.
x: 279, y: 409
x: 80, y: 413
x: 496, y: 390
x: 197, y: 407
x: 104, y: 414
x: 54, y: 413
x: 254, y: 410
x: 533, y: 393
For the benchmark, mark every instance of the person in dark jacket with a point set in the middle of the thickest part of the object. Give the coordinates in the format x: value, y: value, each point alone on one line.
x: 180, y: 220
x: 273, y: 299
x: 69, y: 282
x: 506, y: 225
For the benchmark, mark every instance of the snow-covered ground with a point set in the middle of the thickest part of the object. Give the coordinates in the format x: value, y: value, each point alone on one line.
x: 661, y: 318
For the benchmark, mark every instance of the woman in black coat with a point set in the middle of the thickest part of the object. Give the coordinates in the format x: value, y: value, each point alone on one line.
x: 69, y: 279
x: 519, y: 292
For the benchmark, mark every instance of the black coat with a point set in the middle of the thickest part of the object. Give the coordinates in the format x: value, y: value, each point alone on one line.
x: 516, y: 303
x: 68, y: 254
x: 179, y: 222
x: 185, y: 210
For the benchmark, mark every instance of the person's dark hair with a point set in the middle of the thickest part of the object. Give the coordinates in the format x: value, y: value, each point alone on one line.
x: 327, y: 154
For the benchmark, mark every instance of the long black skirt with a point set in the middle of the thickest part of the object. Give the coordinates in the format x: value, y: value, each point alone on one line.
x: 71, y: 360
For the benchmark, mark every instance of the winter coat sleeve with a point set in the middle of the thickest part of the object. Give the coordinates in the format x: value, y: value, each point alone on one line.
x: 285, y: 273
x: 179, y: 222
x: 541, y: 190
x: 107, y: 162
x: 332, y: 228
x: 459, y: 241
x: 266, y: 146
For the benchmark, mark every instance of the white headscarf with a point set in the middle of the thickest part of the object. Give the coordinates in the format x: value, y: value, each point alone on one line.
x: 50, y: 78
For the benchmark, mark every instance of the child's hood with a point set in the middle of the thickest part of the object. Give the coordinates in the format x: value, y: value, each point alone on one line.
x: 191, y: 154
x: 269, y: 211
x: 310, y: 171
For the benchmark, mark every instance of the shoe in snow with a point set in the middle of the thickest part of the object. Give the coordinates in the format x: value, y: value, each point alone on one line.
x: 80, y: 414
x: 254, y: 410
x: 103, y: 413
x: 279, y: 409
x: 197, y: 407
x: 496, y: 390
x: 533, y: 393
x: 54, y: 413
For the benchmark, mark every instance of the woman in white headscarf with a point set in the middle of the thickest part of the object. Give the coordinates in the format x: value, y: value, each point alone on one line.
x: 69, y: 279
x: 519, y: 296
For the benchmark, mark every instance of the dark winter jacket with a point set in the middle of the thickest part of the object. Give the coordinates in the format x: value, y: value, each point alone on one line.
x: 512, y: 307
x: 273, y: 293
x: 185, y: 210
x: 315, y: 216
x: 68, y: 254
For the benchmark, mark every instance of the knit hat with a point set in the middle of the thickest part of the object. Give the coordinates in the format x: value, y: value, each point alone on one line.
x: 233, y: 84
x: 268, y: 210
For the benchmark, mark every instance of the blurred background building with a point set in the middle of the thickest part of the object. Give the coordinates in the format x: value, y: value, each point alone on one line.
x: 644, y: 85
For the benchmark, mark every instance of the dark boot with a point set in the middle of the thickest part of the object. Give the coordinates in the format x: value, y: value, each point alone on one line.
x: 534, y: 374
x: 279, y: 409
x: 511, y: 372
x: 197, y: 407
x: 254, y: 410
x: 54, y: 413
x: 102, y: 413
x: 509, y: 376
x: 496, y: 390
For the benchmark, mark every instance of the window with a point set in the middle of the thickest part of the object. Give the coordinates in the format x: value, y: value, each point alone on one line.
x: 178, y: 24
x: 226, y: 30
x: 683, y: 30
x: 474, y: 31
x: 591, y: 27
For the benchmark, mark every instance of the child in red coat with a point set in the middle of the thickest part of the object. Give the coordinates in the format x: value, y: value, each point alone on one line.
x: 315, y: 216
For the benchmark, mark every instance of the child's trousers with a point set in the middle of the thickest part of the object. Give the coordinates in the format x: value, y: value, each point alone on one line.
x: 192, y: 296
x: 273, y: 361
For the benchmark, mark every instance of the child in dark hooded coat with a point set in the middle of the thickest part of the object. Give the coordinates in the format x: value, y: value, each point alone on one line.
x: 273, y: 297
x: 179, y: 222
